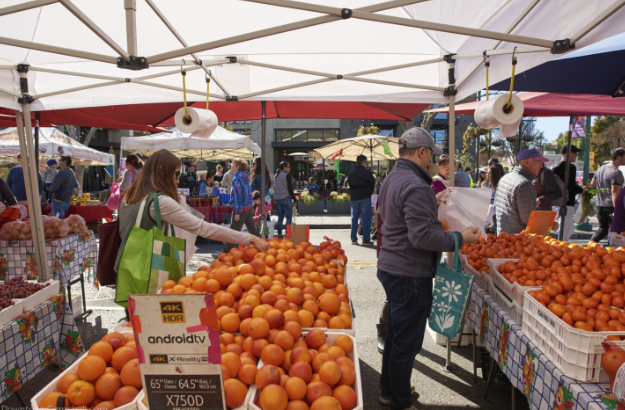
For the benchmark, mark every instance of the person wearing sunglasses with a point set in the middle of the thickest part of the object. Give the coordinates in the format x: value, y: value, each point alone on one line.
x: 159, y: 175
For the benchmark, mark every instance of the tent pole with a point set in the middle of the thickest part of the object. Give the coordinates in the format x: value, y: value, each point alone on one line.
x: 452, y: 124
x: 37, y: 117
x: 26, y: 6
x: 286, y: 87
x: 397, y: 67
x: 597, y: 20
x: 263, y: 137
x: 131, y: 26
x: 59, y: 50
x: 32, y: 189
x: 323, y: 184
x: 567, y: 175
x: 587, y: 152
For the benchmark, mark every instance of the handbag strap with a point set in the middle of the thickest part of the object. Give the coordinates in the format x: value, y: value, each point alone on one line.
x: 456, y: 266
x: 157, y: 215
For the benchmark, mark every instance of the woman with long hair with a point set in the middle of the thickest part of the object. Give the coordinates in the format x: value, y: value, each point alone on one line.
x: 283, y: 195
x: 256, y: 177
x: 159, y: 175
x: 441, y: 181
x: 493, y: 175
x: 241, y: 201
x: 133, y: 169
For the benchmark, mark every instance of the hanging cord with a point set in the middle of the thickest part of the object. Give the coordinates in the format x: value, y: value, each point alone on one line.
x: 487, y: 64
x: 208, y: 82
x: 508, y: 106
x: 183, y: 71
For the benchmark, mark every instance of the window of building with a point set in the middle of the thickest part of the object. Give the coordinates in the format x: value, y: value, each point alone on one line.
x: 312, y: 135
x: 440, y: 138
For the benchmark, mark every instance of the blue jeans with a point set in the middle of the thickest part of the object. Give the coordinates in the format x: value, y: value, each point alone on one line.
x: 285, y: 208
x: 361, y: 209
x: 410, y: 301
x: 59, y: 208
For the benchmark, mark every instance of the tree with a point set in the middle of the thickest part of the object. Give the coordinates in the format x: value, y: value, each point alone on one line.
x: 578, y: 142
x: 604, y: 132
x: 530, y: 136
x: 79, y: 170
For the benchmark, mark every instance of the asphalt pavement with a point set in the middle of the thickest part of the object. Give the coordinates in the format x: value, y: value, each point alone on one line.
x: 437, y: 388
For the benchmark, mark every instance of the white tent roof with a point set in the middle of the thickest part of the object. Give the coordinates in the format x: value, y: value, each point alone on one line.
x: 222, y: 144
x: 53, y: 142
x: 372, y: 56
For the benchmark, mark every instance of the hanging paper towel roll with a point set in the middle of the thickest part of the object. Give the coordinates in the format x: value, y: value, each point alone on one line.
x: 491, y: 114
x: 202, y: 123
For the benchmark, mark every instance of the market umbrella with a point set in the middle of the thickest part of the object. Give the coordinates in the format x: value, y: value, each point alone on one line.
x: 369, y: 146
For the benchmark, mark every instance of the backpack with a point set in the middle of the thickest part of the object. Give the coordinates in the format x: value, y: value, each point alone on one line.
x: 557, y: 202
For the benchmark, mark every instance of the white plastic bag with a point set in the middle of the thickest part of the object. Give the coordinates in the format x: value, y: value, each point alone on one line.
x: 181, y: 233
x: 465, y: 207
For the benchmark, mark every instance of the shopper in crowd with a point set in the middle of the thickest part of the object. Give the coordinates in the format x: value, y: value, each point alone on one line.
x: 413, y: 237
x: 481, y: 182
x: 548, y: 189
x: 608, y: 180
x: 49, y: 173
x: 378, y: 185
x: 283, y: 195
x: 220, y: 173
x: 226, y: 181
x: 133, y: 169
x: 362, y: 184
x: 256, y: 198
x: 241, y: 201
x: 62, y: 187
x: 461, y: 179
x: 313, y: 186
x: 159, y: 176
x: 206, y: 183
x: 493, y: 176
x: 15, y: 181
x: 467, y: 171
x: 6, y: 196
x: 492, y: 162
x: 440, y: 182
x: 572, y: 190
x: 103, y: 186
x: 515, y: 198
x: 192, y: 185
x: 257, y: 177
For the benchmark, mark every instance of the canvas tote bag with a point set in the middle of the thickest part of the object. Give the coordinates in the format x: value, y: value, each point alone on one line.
x: 149, y: 258
x: 452, y: 294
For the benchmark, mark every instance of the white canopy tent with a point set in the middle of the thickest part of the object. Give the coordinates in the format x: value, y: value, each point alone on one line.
x: 61, y: 54
x: 222, y: 144
x: 53, y: 142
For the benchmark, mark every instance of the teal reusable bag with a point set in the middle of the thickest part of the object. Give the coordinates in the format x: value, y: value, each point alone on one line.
x: 149, y: 258
x: 452, y: 293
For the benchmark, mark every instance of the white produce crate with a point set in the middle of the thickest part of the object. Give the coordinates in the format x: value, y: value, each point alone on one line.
x: 482, y: 279
x: 254, y: 393
x: 10, y: 313
x: 513, y: 290
x: 576, y: 352
x: 442, y: 340
x: 36, y: 299
x: 513, y: 309
x: 51, y: 387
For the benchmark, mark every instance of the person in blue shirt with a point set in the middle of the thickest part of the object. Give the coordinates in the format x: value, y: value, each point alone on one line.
x: 15, y: 181
x: 461, y: 179
x: 62, y: 187
x: 313, y: 186
x: 206, y: 183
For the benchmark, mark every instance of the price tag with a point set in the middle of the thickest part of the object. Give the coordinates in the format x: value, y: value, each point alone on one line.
x: 179, y: 351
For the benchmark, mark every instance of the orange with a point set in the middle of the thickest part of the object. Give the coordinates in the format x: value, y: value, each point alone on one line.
x: 330, y: 373
x: 258, y: 328
x: 247, y: 373
x: 107, y: 385
x: 81, y: 393
x: 267, y: 375
x: 113, y: 335
x: 179, y: 289
x: 49, y: 402
x: 297, y: 405
x: 326, y: 403
x: 316, y: 389
x: 122, y: 356
x: 125, y: 395
x: 329, y: 303
x: 295, y: 388
x: 65, y: 382
x: 230, y: 322
x: 272, y: 354
x: 102, y: 349
x: 211, y: 286
x: 131, y: 375
x: 232, y: 362
x: 346, y: 396
x: 105, y: 405
x: 274, y: 397
x: 91, y: 367
x: 235, y: 392
x: 111, y: 370
x: 168, y: 284
x: 344, y: 342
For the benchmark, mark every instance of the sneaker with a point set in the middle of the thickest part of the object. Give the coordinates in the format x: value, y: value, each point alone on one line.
x: 354, y: 242
x: 368, y: 243
x: 387, y: 400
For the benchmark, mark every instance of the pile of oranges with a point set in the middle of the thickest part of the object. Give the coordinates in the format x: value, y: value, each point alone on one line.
x: 290, y: 282
x: 108, y: 377
x: 296, y: 373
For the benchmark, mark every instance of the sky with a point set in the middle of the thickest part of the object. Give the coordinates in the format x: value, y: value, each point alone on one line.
x: 552, y: 126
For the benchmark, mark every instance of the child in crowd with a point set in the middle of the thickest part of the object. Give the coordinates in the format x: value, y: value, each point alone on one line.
x: 216, y: 191
x: 256, y: 198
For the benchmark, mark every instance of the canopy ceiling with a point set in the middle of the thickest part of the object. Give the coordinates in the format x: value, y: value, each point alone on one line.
x: 362, y: 51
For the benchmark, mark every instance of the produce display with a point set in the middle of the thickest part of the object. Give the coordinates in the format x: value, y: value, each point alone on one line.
x: 611, y: 361
x: 16, y: 231
x: 5, y: 301
x: 54, y: 228
x: 76, y: 224
x: 290, y: 282
x: 108, y: 377
x: 18, y: 288
x: 14, y: 213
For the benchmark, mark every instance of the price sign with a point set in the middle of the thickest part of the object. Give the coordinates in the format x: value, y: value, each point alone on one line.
x: 179, y: 351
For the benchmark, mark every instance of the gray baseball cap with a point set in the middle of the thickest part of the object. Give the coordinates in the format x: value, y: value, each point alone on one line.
x: 417, y: 137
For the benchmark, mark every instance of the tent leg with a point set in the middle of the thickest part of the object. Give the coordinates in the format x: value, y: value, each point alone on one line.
x: 32, y: 189
x: 263, y: 126
x: 323, y: 184
x: 452, y: 125
x: 567, y: 175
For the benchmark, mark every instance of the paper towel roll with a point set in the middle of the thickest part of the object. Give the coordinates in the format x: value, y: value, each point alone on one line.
x: 202, y: 124
x: 491, y: 114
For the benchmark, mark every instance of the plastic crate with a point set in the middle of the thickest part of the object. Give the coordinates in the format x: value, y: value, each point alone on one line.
x: 357, y: 386
x: 514, y: 291
x: 482, y: 279
x: 73, y: 369
x: 513, y: 309
x: 575, y: 352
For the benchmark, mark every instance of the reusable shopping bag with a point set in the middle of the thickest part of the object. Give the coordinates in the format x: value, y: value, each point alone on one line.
x: 149, y: 258
x: 115, y: 200
x: 109, y: 235
x: 464, y: 207
x: 452, y: 293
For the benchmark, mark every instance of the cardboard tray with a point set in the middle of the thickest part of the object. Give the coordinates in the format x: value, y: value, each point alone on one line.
x: 51, y: 387
x: 357, y: 386
x: 10, y: 313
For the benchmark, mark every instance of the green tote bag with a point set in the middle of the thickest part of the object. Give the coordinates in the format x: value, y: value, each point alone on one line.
x: 452, y: 294
x: 149, y: 258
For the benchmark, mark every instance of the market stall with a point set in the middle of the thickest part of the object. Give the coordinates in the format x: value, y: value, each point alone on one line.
x: 88, y: 212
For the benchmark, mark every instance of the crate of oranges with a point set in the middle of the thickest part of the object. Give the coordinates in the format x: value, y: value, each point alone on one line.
x: 513, y: 277
x: 105, y: 378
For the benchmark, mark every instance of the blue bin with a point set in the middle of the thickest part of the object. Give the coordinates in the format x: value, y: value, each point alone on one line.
x: 225, y: 199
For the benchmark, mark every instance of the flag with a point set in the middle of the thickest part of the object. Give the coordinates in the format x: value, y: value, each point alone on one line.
x: 579, y: 123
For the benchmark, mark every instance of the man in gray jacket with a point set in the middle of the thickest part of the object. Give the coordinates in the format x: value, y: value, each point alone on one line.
x: 515, y: 198
x: 413, y: 238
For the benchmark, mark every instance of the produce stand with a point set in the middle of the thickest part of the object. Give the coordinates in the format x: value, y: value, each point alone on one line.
x: 88, y: 212
x: 217, y: 213
x: 34, y: 340
x: 69, y: 259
